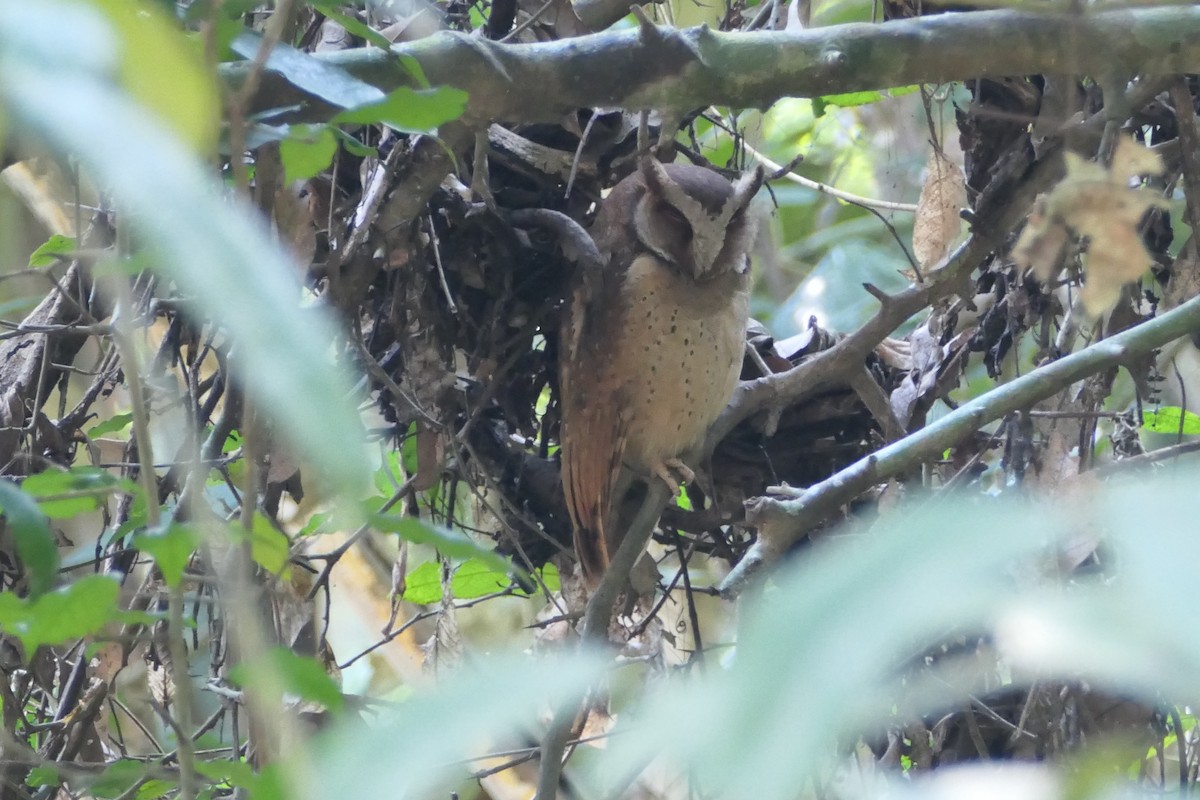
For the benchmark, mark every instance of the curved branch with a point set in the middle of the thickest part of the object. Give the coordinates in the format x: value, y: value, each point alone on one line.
x: 683, y: 69
x: 782, y: 522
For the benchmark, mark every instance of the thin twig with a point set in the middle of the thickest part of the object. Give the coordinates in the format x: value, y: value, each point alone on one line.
x: 824, y: 188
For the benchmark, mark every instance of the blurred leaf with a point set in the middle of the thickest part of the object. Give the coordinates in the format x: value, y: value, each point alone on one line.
x: 353, y: 146
x: 226, y: 18
x: 62, y: 494
x: 410, y: 110
x: 171, y: 548
x: 215, y: 249
x: 412, y: 751
x: 306, y: 151
x: 165, y: 71
x: 234, y: 773
x: 1111, y: 631
x: 78, y: 610
x: 332, y: 10
x: 117, y: 778
x: 31, y: 530
x: 826, y: 601
x: 449, y: 543
x: 114, y: 424
x: 1171, y: 420
x: 156, y: 787
x: 43, y: 775
x: 269, y: 546
x: 389, y: 476
x: 304, y: 677
x: 317, y: 77
x: 54, y: 249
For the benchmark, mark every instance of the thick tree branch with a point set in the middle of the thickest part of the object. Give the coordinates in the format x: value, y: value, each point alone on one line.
x: 674, y: 69
x: 782, y: 522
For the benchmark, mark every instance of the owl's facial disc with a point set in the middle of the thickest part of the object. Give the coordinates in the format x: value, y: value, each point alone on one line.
x: 704, y: 218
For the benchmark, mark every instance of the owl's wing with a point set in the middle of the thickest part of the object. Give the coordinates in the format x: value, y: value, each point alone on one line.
x: 593, y: 424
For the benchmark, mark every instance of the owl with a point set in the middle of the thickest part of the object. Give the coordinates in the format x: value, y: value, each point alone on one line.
x: 652, y: 340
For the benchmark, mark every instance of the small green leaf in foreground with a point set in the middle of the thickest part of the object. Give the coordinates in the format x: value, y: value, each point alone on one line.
x: 1172, y: 420
x: 472, y: 578
x: 449, y: 543
x: 54, y: 249
x: 410, y: 110
x: 306, y: 151
x: 78, y: 610
x: 31, y: 530
x: 171, y: 548
x: 302, y: 676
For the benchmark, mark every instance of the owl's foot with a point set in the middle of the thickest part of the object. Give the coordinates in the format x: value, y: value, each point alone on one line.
x: 663, y: 470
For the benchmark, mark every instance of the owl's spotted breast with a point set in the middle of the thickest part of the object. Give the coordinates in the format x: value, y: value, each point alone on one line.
x: 684, y: 341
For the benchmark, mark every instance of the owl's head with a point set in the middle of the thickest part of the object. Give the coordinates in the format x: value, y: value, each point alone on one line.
x: 696, y: 220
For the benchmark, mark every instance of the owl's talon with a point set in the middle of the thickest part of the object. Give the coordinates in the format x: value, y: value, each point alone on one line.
x: 663, y: 471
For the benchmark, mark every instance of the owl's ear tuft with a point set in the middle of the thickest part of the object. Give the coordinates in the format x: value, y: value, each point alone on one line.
x: 746, y: 186
x: 655, y: 176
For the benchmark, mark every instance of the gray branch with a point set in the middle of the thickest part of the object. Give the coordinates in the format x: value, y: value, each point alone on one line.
x: 665, y: 68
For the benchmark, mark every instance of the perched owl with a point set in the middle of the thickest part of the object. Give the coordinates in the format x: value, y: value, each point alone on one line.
x: 652, y: 341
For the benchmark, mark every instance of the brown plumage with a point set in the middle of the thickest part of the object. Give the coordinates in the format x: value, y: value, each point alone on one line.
x: 652, y: 341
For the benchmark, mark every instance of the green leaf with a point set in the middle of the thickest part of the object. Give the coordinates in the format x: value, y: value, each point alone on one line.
x: 410, y: 110
x: 551, y: 578
x: 171, y: 548
x: 475, y: 578
x: 117, y: 423
x: 31, y: 530
x: 54, y: 249
x: 389, y: 476
x: 353, y: 146
x: 852, y: 99
x: 62, y: 494
x: 332, y: 10
x: 301, y: 676
x: 234, y: 773
x: 317, y: 77
x: 472, y: 578
x: 117, y: 778
x: 164, y: 70
x: 215, y: 248
x: 1171, y: 420
x: 78, y: 610
x: 408, y: 450
x: 155, y: 788
x: 269, y: 546
x: 449, y: 543
x: 307, y: 151
x: 43, y: 775
x: 423, y: 585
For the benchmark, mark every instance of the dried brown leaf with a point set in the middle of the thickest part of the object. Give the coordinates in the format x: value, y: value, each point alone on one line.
x: 1114, y: 259
x: 1099, y: 204
x: 1131, y: 159
x: 938, y: 223
x: 1041, y: 243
